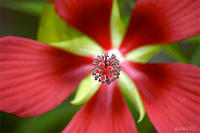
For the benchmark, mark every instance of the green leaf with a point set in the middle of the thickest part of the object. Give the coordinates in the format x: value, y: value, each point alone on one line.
x: 193, y: 39
x: 176, y: 52
x: 145, y: 126
x: 83, y: 46
x: 194, y: 52
x: 126, y: 8
x: 52, y: 28
x: 50, y: 122
x: 195, y: 58
x: 86, y: 90
x: 143, y: 54
x: 29, y: 7
x: 117, y: 26
x: 129, y: 89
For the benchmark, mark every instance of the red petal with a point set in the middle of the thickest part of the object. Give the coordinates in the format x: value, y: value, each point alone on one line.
x: 91, y: 17
x: 161, y: 22
x: 106, y: 112
x: 170, y: 93
x: 35, y: 77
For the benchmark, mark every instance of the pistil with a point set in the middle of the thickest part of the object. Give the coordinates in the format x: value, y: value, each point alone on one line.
x: 106, y: 69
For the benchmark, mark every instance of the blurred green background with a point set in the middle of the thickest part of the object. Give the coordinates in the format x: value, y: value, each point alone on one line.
x: 21, y: 18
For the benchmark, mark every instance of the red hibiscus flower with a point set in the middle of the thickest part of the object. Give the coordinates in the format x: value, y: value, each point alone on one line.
x: 36, y: 77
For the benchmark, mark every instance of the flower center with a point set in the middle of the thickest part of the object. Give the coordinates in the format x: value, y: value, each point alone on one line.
x: 106, y: 69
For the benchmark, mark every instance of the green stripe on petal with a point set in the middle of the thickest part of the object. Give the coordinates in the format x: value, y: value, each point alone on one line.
x: 83, y: 46
x: 143, y: 54
x: 129, y: 89
x: 54, y: 31
x: 52, y: 28
x: 86, y: 90
x: 117, y: 26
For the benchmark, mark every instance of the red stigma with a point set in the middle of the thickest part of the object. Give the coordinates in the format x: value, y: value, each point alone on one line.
x: 106, y: 69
